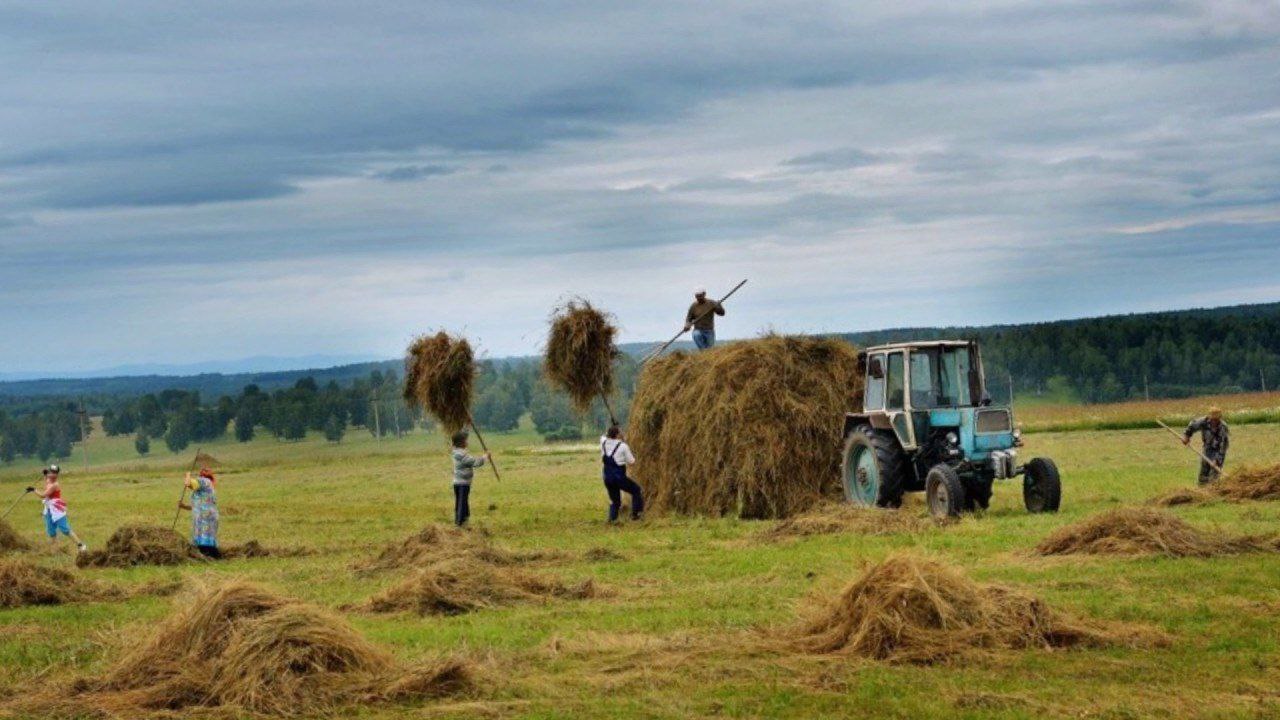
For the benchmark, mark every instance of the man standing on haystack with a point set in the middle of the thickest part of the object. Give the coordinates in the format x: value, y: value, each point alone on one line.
x: 701, y: 318
x: 1215, y: 437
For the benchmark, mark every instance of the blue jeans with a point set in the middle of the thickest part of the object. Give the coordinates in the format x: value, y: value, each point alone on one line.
x: 704, y: 339
x: 461, y: 504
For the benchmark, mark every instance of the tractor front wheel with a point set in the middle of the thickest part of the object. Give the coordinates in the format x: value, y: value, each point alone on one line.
x: 873, y: 468
x: 1041, y: 486
x: 944, y: 492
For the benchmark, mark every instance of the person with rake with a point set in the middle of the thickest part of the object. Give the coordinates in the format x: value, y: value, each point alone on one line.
x: 55, y: 508
x: 1215, y: 437
x: 701, y: 318
x: 616, y: 456
x: 464, y: 471
x: 204, y: 513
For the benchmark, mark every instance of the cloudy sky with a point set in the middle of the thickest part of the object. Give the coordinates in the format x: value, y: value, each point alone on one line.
x: 191, y: 181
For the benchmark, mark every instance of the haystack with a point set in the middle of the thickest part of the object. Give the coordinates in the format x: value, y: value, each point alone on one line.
x: 842, y: 517
x: 10, y: 540
x: 244, y: 649
x: 908, y: 609
x: 457, y: 586
x: 439, y: 374
x: 140, y: 545
x: 1146, y: 531
x: 1250, y: 483
x: 205, y: 460
x: 580, y: 353
x: 435, y: 543
x: 749, y: 428
x: 25, y: 583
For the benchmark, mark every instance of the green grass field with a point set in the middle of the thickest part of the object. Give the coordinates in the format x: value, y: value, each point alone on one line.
x: 675, y: 638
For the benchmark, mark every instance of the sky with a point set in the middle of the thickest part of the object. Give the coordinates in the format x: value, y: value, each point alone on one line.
x: 183, y: 182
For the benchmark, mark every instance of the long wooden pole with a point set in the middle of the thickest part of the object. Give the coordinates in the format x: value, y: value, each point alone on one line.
x: 676, y: 337
x: 480, y: 437
x: 1203, y: 457
x: 613, y: 419
x: 183, y: 496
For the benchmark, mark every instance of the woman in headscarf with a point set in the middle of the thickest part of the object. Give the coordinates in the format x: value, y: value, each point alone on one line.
x: 204, y: 513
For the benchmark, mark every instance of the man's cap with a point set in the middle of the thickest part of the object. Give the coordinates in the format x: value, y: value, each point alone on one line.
x: 54, y: 470
x: 699, y: 291
x: 1215, y: 413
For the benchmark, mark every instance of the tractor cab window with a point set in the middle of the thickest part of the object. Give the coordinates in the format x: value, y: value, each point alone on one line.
x: 895, y: 385
x: 940, y: 378
x: 875, y: 385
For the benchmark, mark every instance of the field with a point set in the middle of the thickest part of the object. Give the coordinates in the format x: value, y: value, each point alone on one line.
x: 1241, y: 409
x: 692, y: 601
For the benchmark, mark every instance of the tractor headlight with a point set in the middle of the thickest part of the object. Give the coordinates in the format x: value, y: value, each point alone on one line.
x: 953, y: 439
x: 1017, y: 436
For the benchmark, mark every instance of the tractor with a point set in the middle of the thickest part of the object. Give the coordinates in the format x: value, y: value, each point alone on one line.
x: 927, y: 423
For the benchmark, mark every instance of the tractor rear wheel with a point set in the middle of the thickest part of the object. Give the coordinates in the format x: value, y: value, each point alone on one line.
x: 873, y: 469
x: 1041, y: 486
x: 943, y: 491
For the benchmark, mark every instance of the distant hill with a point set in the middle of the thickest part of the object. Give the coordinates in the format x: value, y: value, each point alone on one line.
x: 1164, y: 354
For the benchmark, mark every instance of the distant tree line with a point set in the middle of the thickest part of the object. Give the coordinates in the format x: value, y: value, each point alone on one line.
x: 43, y: 431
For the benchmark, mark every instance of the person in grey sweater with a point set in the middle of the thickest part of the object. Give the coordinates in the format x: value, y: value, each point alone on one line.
x: 464, y: 470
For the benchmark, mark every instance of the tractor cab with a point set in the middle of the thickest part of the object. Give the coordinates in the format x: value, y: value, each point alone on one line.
x: 928, y: 424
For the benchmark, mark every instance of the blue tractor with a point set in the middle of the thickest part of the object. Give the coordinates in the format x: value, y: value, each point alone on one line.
x: 927, y: 424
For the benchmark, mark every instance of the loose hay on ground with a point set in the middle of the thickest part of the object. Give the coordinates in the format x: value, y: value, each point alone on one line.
x: 836, y: 518
x: 1250, y: 483
x: 435, y: 543
x: 440, y: 375
x: 140, y: 545
x: 908, y: 609
x: 10, y: 540
x: 25, y: 583
x: 1146, y: 531
x: 240, y: 647
x: 1181, y: 496
x: 458, y: 586
x: 580, y: 353
x: 745, y: 428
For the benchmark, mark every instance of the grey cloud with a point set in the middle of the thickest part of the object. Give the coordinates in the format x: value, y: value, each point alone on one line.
x: 836, y: 159
x: 405, y: 173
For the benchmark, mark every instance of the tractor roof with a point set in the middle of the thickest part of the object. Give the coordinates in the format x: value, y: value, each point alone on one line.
x: 919, y: 344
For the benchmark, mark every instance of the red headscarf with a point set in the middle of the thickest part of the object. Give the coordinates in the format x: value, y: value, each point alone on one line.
x: 208, y: 474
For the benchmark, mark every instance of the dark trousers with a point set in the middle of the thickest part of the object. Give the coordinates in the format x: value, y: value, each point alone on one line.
x: 1207, y: 472
x: 210, y: 551
x: 461, y: 504
x: 615, y: 489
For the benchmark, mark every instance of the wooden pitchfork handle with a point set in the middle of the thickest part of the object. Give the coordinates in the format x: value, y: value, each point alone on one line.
x: 480, y: 437
x: 178, y: 513
x: 1203, y: 457
x: 668, y: 343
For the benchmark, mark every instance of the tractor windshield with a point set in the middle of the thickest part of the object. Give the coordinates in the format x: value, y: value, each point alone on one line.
x: 940, y: 377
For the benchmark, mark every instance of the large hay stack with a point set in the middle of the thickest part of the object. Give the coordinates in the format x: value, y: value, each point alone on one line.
x: 580, y: 353
x: 750, y: 428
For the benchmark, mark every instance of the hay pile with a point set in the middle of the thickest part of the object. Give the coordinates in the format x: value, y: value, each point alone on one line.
x: 439, y: 374
x: 838, y: 518
x: 25, y: 583
x: 580, y: 353
x: 437, y: 542
x: 10, y: 540
x: 748, y: 428
x: 1146, y: 531
x: 458, y: 586
x: 1250, y: 483
x: 205, y: 460
x: 908, y: 609
x: 1181, y: 496
x: 140, y: 545
x: 242, y: 648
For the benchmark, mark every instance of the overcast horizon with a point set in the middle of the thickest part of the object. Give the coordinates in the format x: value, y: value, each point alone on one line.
x: 182, y: 185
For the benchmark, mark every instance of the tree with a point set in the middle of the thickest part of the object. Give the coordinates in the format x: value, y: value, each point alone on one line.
x: 551, y: 410
x: 295, y: 421
x: 178, y: 437
x: 244, y: 425
x: 142, y: 444
x: 8, y: 449
x: 334, y: 429
x: 498, y: 408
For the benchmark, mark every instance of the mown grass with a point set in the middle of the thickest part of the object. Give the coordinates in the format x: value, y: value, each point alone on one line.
x: 1240, y: 409
x: 692, y: 597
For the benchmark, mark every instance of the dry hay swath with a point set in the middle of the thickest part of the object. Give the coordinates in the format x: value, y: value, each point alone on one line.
x: 1250, y: 483
x: 749, y: 428
x: 154, y: 545
x: 437, y: 542
x: 439, y: 374
x: 580, y: 353
x: 26, y: 583
x: 909, y: 609
x: 458, y: 586
x: 1146, y: 531
x: 838, y: 518
x: 10, y: 540
x: 1182, y: 496
x: 242, y: 648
